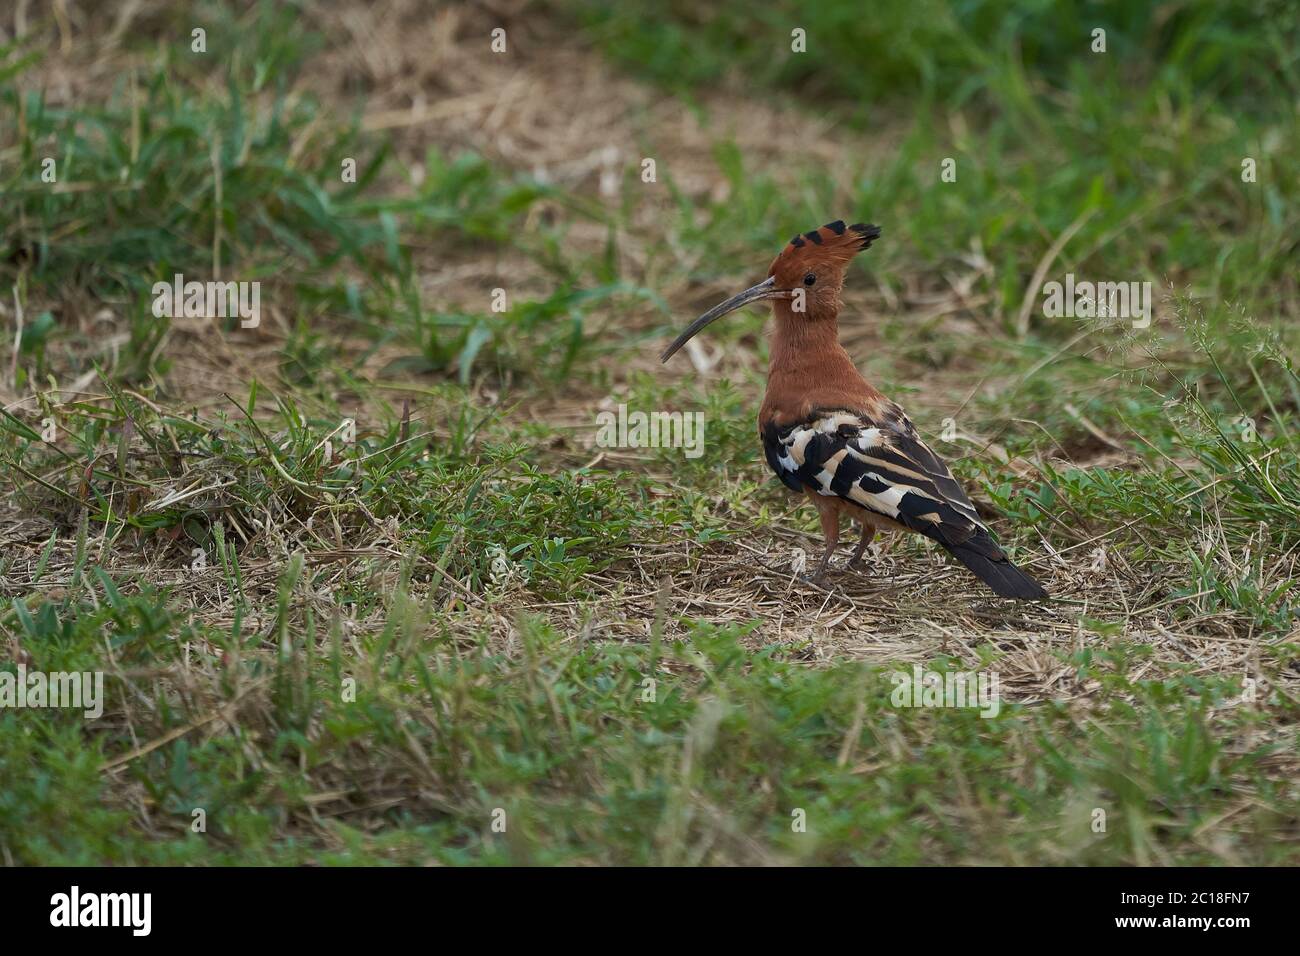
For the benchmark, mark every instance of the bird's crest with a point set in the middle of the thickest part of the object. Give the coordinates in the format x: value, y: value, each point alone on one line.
x: 834, y: 241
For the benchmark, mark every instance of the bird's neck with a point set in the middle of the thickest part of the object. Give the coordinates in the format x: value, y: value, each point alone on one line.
x: 803, y: 339
x: 809, y: 369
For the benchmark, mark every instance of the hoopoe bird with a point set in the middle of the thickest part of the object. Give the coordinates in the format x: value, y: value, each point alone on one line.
x: 832, y: 436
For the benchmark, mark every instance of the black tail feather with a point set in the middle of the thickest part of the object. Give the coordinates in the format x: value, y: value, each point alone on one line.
x: 1001, y: 575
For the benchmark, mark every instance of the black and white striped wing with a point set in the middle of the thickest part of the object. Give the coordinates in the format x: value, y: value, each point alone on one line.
x: 883, y: 466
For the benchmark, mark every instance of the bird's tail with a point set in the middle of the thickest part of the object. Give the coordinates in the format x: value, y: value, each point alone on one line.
x: 991, y: 566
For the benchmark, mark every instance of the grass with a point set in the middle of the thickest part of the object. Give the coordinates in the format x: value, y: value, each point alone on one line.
x: 361, y: 582
x: 593, y: 765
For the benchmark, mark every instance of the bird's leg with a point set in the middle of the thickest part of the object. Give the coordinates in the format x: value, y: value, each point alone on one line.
x: 831, y: 530
x: 868, y: 532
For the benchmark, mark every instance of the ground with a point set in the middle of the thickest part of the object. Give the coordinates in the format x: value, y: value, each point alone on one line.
x: 364, y: 586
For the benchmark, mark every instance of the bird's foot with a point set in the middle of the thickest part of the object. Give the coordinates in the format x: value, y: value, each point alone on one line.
x: 818, y: 582
x: 868, y: 532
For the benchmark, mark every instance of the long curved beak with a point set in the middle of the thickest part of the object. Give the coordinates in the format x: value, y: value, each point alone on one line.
x: 764, y: 290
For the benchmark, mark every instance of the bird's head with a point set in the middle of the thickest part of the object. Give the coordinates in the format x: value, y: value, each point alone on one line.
x: 808, y: 273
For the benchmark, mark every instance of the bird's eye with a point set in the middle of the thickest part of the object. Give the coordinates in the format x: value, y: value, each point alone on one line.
x: 809, y: 279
